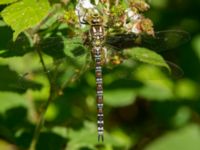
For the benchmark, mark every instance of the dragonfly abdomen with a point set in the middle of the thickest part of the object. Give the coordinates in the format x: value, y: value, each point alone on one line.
x: 99, y: 91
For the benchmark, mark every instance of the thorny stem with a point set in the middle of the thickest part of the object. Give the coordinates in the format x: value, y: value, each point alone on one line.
x: 74, y: 77
x: 51, y: 90
x: 41, y: 120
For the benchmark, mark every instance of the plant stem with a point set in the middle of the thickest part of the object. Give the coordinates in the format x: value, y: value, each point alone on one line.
x: 41, y: 120
x: 40, y: 123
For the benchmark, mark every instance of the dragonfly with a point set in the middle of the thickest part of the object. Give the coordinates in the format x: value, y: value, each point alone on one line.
x: 99, y: 44
x: 161, y: 41
x: 98, y: 40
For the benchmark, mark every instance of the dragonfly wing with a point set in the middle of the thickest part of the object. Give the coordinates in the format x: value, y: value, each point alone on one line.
x: 121, y: 41
x: 165, y: 40
x: 162, y: 41
x: 176, y: 71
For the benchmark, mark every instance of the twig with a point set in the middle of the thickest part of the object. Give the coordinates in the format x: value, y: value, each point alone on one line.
x: 50, y: 98
x: 51, y: 91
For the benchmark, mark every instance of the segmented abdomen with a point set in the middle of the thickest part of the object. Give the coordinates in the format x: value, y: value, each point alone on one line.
x: 99, y: 90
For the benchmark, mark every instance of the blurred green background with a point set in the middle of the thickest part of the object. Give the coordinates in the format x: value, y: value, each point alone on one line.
x: 145, y: 109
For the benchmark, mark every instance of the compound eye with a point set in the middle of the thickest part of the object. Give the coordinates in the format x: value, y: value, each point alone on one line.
x: 94, y: 21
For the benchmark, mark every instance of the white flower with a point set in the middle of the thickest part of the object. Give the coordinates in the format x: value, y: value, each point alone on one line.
x: 81, y: 10
x: 133, y: 16
x: 86, y: 4
x: 135, y: 29
x: 129, y: 12
x: 96, y: 2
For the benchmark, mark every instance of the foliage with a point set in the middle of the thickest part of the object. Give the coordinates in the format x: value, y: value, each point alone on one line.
x: 15, y: 14
x: 47, y: 76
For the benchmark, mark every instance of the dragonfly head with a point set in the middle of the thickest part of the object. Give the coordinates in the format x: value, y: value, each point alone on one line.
x: 96, y: 19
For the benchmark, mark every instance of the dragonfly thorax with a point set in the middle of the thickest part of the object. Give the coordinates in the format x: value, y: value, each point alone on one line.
x: 97, y: 35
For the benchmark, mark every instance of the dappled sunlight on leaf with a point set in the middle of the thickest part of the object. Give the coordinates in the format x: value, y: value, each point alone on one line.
x: 154, y: 80
x: 51, y: 113
x: 196, y: 45
x: 6, y: 146
x: 122, y: 138
x: 87, y: 137
x: 7, y: 1
x: 11, y: 81
x: 182, y: 116
x: 156, y: 92
x: 54, y: 141
x: 149, y: 73
x: 147, y: 56
x: 119, y: 97
x: 187, y: 89
x: 10, y: 100
x: 20, y: 16
x: 184, y: 139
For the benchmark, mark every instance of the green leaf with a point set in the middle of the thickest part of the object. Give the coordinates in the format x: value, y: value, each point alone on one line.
x: 19, y: 47
x: 51, y: 113
x: 6, y: 33
x: 87, y: 137
x: 74, y: 47
x: 11, y: 81
x: 187, y: 89
x: 59, y: 47
x: 10, y: 100
x: 183, y: 139
x: 182, y: 117
x: 147, y: 56
x: 7, y: 1
x: 54, y: 141
x: 53, y: 46
x: 155, y: 81
x: 25, y: 14
x: 146, y: 72
x: 4, y: 145
x: 119, y: 97
x: 156, y: 91
x: 196, y: 45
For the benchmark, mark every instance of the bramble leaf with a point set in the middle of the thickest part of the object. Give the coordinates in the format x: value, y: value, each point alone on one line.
x: 119, y: 97
x: 11, y: 100
x: 183, y: 139
x: 25, y: 14
x: 147, y: 56
x: 7, y: 1
x: 11, y: 81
